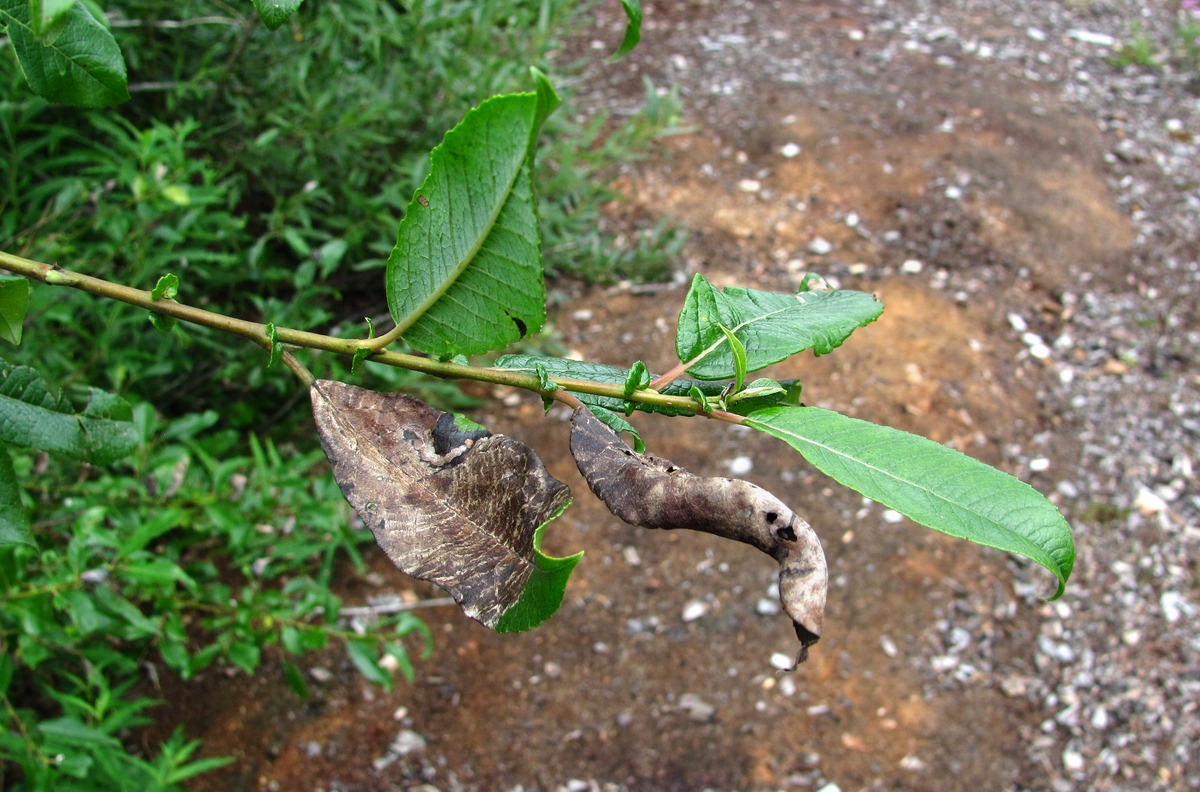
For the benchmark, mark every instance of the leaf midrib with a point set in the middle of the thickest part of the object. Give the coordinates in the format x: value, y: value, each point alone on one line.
x: 461, y: 266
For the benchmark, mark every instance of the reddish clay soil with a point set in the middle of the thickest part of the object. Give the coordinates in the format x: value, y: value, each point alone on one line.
x: 618, y: 691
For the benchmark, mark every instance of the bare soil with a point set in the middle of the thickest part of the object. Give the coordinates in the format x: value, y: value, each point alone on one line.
x: 960, y: 194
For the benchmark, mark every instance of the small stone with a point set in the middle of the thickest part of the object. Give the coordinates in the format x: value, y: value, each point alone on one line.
x: 694, y: 610
x: 820, y: 247
x: 740, y: 465
x: 854, y: 34
x: 953, y: 192
x: 782, y: 662
x: 889, y: 646
x: 552, y: 670
x: 1175, y: 607
x: 830, y: 788
x: 1148, y: 503
x: 787, y: 686
x: 406, y: 742
x: 749, y: 185
x: 818, y: 709
x: 697, y: 709
x: 625, y: 718
x: 583, y: 315
x: 1072, y: 760
x: 790, y: 150
x: 600, y: 647
x: 320, y: 674
x: 912, y: 266
x: 892, y: 516
x: 1091, y: 37
x: 912, y: 764
x: 1039, y: 464
x: 766, y: 607
x: 630, y: 554
x: 577, y: 785
x: 1017, y: 322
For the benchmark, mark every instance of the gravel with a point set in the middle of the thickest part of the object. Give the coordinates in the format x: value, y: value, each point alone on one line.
x: 1116, y: 661
x: 1118, y: 657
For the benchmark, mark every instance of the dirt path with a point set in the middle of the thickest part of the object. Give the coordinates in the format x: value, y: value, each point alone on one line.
x: 971, y: 199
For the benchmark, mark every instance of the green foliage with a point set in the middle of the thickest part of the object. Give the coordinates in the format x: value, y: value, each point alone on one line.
x: 201, y: 551
x: 86, y: 424
x: 928, y: 483
x: 466, y: 273
x: 734, y: 331
x: 14, y: 302
x: 66, y: 54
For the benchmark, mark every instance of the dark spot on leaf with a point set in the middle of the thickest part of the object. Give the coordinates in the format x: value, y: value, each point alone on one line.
x: 771, y: 517
x: 421, y: 199
x: 521, y: 328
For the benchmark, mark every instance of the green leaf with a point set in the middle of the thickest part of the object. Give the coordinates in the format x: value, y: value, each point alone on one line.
x: 633, y: 27
x: 162, y: 323
x: 739, y: 357
x: 14, y: 301
x: 929, y: 483
x: 275, y: 347
x: 82, y: 65
x: 33, y: 416
x: 465, y: 275
x: 637, y: 379
x: 167, y: 288
x: 770, y: 326
x: 49, y: 17
x: 365, y: 657
x: 71, y: 731
x: 295, y: 680
x: 245, y: 655
x: 275, y: 12
x: 14, y: 518
x: 543, y: 593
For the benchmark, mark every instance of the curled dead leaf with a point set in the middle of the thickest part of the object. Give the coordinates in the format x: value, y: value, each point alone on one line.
x: 450, y: 504
x: 652, y: 492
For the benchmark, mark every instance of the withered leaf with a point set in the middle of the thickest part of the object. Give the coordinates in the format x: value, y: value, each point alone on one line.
x: 652, y: 492
x: 468, y: 517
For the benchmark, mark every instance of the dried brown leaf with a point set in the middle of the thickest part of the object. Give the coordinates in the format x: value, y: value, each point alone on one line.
x: 455, y: 508
x: 652, y: 492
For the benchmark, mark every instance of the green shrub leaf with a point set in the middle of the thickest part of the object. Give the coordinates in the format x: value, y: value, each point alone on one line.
x: 49, y: 17
x: 275, y: 12
x: 14, y: 301
x: 81, y: 64
x: 14, y: 519
x: 633, y: 27
x: 33, y: 416
x: 929, y: 483
x: 770, y: 326
x: 465, y: 275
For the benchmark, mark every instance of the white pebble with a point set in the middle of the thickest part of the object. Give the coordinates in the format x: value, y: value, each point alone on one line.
x: 1149, y: 503
x: 1072, y: 760
x: 912, y: 266
x: 1017, y: 322
x: 741, y: 465
x: 1039, y: 464
x: 766, y: 607
x: 892, y: 516
x: 749, y: 185
x: 1175, y: 607
x: 694, y: 610
x: 782, y: 662
x: 820, y: 247
x: 790, y: 150
x: 889, y: 646
x: 953, y: 193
